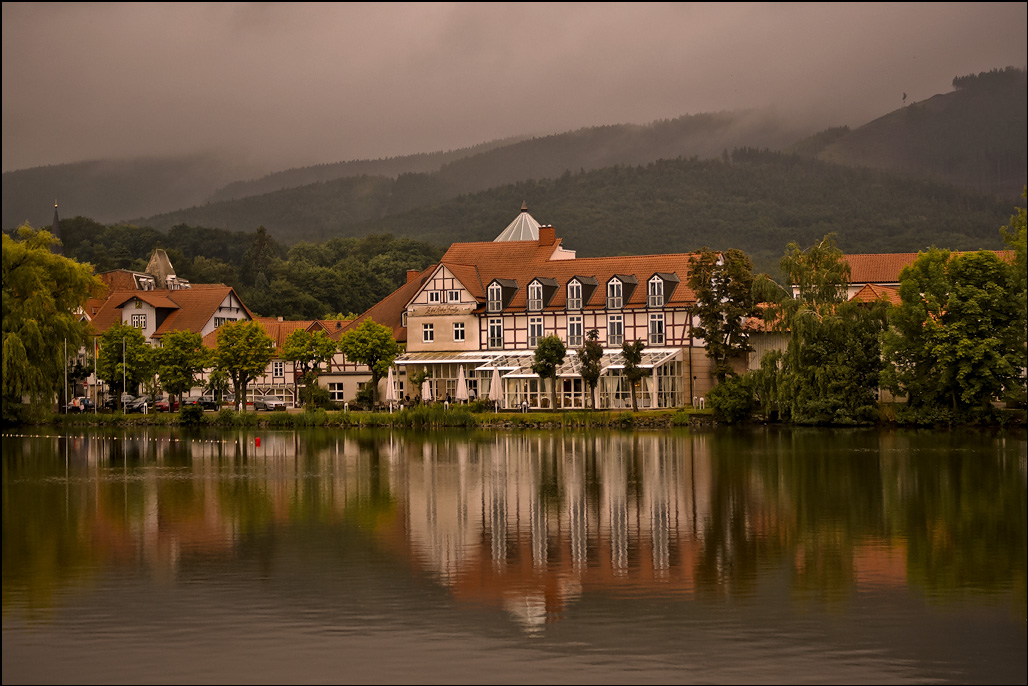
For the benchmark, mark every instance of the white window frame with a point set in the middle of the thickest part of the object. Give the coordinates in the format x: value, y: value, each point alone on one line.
x: 615, y: 294
x: 575, y: 331
x: 574, y: 295
x: 655, y: 292
x: 435, y: 297
x: 428, y: 333
x: 403, y: 319
x: 535, y: 296
x: 139, y: 321
x: 458, y: 332
x: 495, y: 295
x: 615, y: 329
x: 496, y: 333
x: 278, y: 368
x: 336, y: 392
x: 536, y: 330
x: 656, y: 328
x: 453, y: 296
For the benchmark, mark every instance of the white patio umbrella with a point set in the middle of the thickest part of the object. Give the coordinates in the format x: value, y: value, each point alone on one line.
x: 426, y: 390
x: 462, y: 386
x: 495, y: 390
x: 390, y: 389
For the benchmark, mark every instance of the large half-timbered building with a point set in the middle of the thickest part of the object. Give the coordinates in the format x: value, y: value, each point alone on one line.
x: 479, y: 314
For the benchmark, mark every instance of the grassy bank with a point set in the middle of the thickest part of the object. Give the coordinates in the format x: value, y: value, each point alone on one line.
x: 414, y: 418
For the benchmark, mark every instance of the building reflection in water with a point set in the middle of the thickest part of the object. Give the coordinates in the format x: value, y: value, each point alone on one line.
x: 530, y: 521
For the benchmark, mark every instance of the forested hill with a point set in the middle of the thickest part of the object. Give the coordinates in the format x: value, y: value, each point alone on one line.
x: 975, y: 137
x: 113, y: 190
x: 757, y: 201
x: 422, y: 163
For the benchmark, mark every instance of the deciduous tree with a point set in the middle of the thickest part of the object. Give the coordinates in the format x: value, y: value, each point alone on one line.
x: 632, y: 353
x: 243, y: 353
x: 41, y: 292
x: 723, y: 284
x: 590, y: 356
x: 125, y: 359
x: 308, y: 351
x: 956, y: 341
x: 180, y: 359
x: 549, y: 355
x: 373, y: 345
x: 830, y: 369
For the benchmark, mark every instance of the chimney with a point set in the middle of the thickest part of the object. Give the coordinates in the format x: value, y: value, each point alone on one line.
x: 280, y: 318
x: 412, y: 274
x: 547, y: 234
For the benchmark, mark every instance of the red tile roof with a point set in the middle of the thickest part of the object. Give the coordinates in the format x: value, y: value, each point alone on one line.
x: 886, y: 267
x: 188, y: 309
x: 871, y: 292
x: 476, y: 265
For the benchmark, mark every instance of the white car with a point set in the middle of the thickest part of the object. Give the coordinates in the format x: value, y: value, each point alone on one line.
x: 273, y: 404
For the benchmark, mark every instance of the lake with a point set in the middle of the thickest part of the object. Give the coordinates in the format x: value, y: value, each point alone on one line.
x: 722, y: 556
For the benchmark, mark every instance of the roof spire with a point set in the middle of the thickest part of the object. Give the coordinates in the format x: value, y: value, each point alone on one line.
x: 523, y: 228
x: 55, y: 229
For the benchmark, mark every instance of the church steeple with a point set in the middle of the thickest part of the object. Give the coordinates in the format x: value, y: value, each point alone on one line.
x: 55, y: 229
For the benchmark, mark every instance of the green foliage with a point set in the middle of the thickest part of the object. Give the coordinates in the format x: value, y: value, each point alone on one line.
x: 125, y: 359
x: 723, y: 284
x: 631, y: 353
x: 180, y: 359
x: 192, y: 415
x: 549, y: 356
x: 957, y: 340
x: 373, y: 345
x: 243, y: 353
x: 589, y: 356
x: 308, y: 351
x: 829, y: 372
x: 733, y: 399
x: 41, y: 292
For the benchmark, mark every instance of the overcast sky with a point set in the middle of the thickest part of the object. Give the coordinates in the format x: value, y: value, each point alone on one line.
x: 296, y: 84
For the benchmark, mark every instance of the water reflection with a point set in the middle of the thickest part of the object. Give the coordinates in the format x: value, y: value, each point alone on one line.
x: 531, y: 521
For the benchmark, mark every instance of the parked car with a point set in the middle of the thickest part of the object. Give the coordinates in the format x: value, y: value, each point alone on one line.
x: 165, y: 405
x: 275, y: 404
x: 136, y: 405
x: 209, y: 403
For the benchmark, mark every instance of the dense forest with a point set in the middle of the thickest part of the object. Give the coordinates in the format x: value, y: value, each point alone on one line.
x: 340, y: 277
x: 756, y: 201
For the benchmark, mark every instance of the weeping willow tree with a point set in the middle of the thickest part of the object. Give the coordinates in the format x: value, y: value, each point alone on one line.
x: 829, y: 371
x: 41, y: 293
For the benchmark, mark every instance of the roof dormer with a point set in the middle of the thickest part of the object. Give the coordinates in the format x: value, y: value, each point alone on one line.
x: 499, y: 293
x: 659, y: 288
x: 540, y: 292
x: 580, y: 291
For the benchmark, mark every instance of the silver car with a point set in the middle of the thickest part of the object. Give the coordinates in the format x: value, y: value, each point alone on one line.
x: 273, y: 404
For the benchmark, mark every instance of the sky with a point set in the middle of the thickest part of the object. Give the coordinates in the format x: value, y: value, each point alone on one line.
x: 295, y: 84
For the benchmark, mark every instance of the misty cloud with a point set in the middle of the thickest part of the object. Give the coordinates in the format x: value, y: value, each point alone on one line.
x: 296, y: 84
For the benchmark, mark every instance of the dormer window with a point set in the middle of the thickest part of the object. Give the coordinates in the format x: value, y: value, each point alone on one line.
x: 535, y: 296
x: 495, y: 296
x: 574, y: 296
x: 655, y: 292
x: 615, y: 299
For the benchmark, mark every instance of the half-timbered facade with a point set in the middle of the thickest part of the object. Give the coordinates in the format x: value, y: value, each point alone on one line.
x: 483, y: 309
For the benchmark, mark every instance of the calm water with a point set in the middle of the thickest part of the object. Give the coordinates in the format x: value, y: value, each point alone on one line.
x: 805, y: 556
